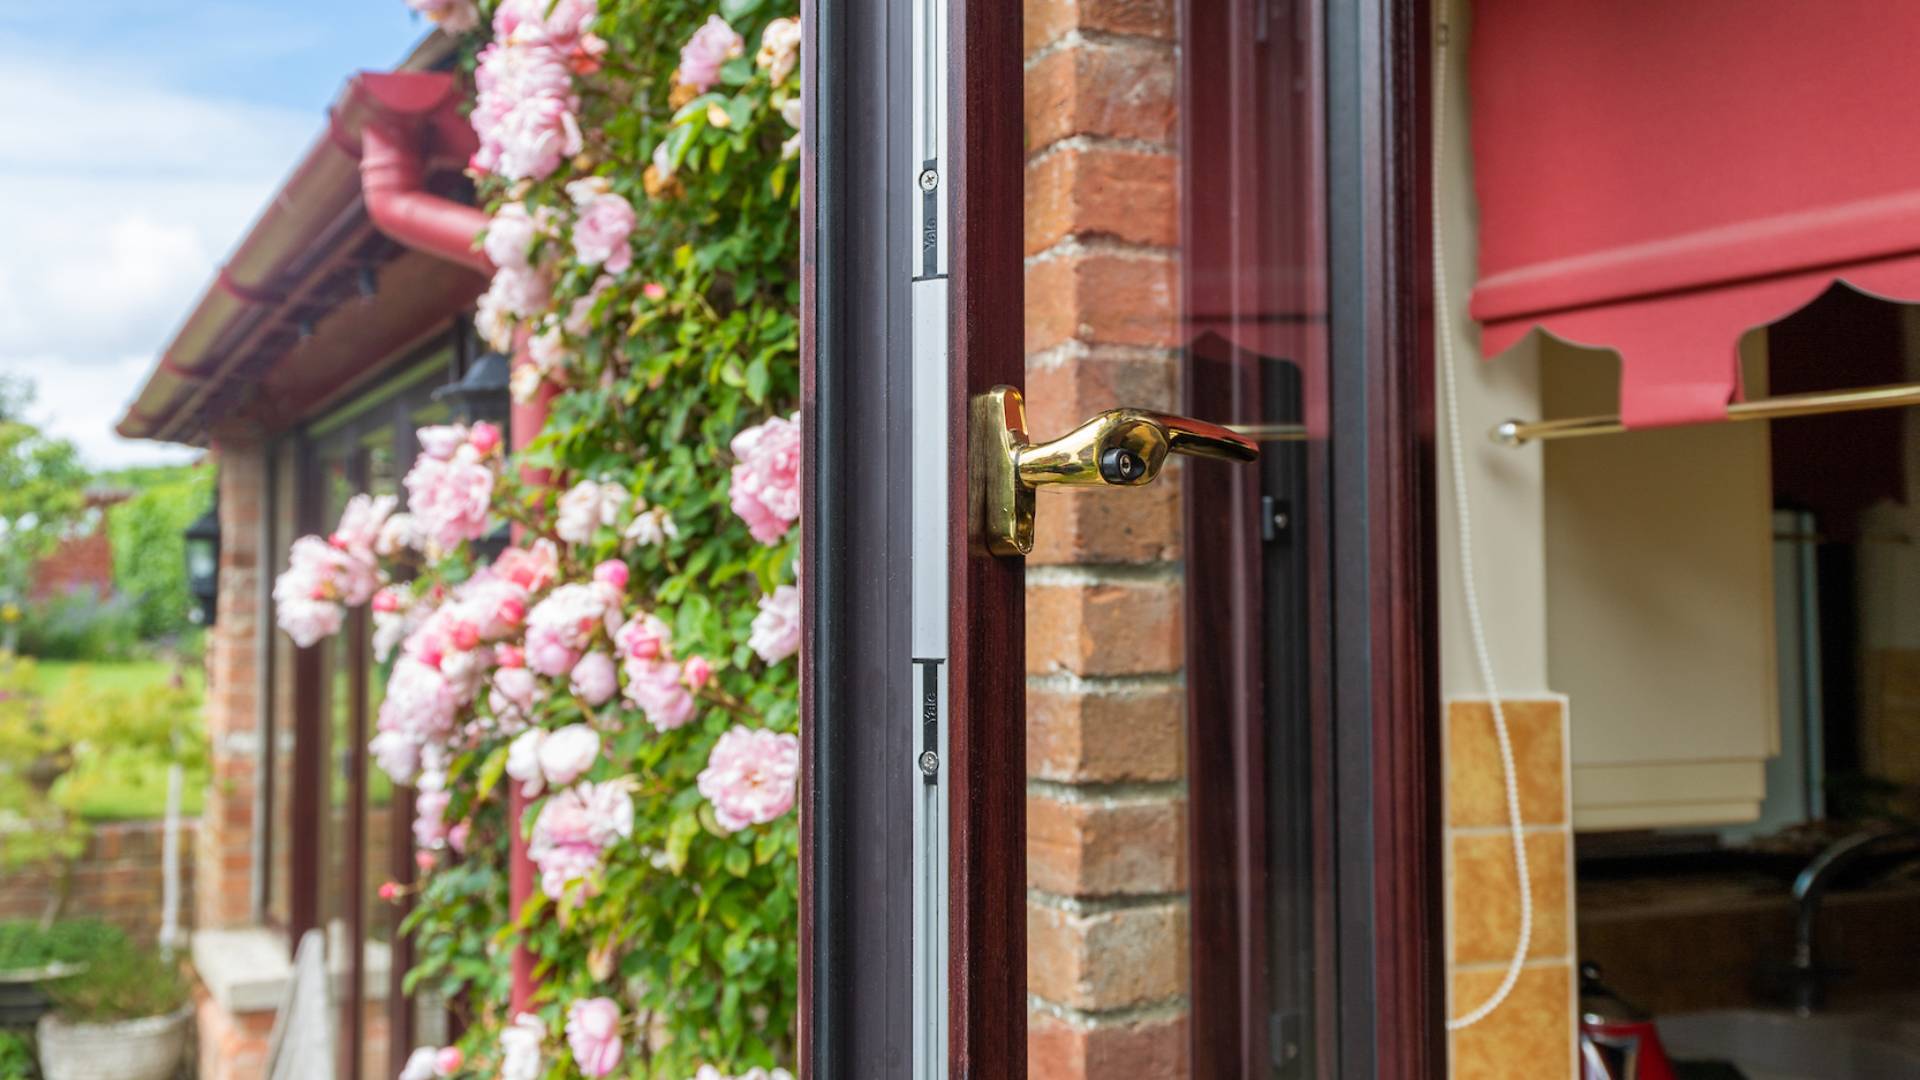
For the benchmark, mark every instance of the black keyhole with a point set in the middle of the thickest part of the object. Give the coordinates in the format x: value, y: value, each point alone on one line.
x: 1121, y: 466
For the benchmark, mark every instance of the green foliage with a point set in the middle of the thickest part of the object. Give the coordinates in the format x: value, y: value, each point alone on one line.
x: 25, y: 945
x: 16, y: 1056
x: 42, y: 489
x: 55, y: 750
x: 120, y: 983
x: 80, y: 624
x: 149, y: 555
x: 690, y: 928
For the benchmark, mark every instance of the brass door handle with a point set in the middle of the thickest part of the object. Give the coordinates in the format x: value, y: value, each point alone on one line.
x: 1116, y: 448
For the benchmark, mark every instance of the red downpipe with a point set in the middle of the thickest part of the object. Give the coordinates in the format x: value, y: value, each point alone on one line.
x: 392, y: 178
x: 524, y: 425
x: 392, y: 175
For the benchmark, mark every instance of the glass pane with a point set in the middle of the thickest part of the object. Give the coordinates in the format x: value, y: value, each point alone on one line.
x: 1175, y: 238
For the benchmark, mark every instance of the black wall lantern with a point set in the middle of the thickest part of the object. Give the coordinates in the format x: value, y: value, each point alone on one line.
x: 481, y: 394
x: 202, y: 542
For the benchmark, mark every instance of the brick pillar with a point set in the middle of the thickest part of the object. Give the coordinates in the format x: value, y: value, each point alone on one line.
x: 1107, y: 908
x: 224, y: 850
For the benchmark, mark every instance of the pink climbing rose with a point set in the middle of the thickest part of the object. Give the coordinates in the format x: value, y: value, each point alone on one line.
x: 562, y: 626
x: 520, y: 1048
x: 779, y: 49
x: 712, y: 45
x: 601, y: 232
x: 429, y: 819
x: 452, y: 16
x: 594, y: 679
x: 524, y: 108
x: 593, y: 1033
x: 766, y: 477
x: 776, y: 630
x: 657, y: 689
x: 567, y: 754
x: 574, y: 830
x: 749, y: 777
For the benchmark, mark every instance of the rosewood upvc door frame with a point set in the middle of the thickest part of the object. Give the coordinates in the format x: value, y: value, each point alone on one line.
x: 864, y: 195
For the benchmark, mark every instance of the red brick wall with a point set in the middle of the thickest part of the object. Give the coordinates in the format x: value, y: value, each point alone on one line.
x: 233, y: 691
x: 1106, y: 847
x: 82, y: 562
x: 118, y: 879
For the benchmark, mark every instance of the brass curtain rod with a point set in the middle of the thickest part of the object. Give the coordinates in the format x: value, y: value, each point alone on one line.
x: 1270, y: 432
x: 1818, y: 403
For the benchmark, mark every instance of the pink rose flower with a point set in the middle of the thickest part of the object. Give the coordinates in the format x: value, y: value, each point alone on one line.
x: 532, y: 569
x: 510, y: 236
x: 776, y: 630
x: 520, y: 1048
x: 593, y: 1033
x: 360, y: 525
x: 643, y: 637
x: 523, y: 761
x: 450, y: 500
x: 712, y: 45
x: 594, y: 679
x: 484, y: 438
x: 600, y: 234
x: 429, y: 819
x: 556, y: 22
x: 779, y: 49
x: 655, y: 687
x: 422, y: 1064
x: 457, y: 836
x: 766, y: 478
x: 749, y: 777
x: 585, y: 507
x: 389, y: 891
x: 452, y: 16
x: 653, y: 290
x: 574, y: 830
x: 560, y: 628
x: 567, y: 754
x: 524, y: 107
x: 696, y: 672
x: 612, y: 572
x: 448, y: 1061
x: 511, y: 696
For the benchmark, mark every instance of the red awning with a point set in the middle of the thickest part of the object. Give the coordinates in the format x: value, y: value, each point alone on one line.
x: 1660, y: 176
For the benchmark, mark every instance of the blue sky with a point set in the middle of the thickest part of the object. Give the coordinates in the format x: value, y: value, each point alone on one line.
x: 140, y: 139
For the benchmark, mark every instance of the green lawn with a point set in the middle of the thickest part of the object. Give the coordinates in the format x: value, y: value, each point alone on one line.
x: 53, y: 675
x: 111, y: 786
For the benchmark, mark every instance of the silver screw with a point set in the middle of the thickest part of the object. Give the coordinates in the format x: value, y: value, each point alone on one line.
x: 929, y: 180
x: 929, y: 762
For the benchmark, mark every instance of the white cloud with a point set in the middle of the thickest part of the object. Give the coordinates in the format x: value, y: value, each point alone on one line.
x: 80, y: 403
x: 123, y: 197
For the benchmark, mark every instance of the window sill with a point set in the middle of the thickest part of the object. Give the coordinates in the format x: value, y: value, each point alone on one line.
x: 248, y: 970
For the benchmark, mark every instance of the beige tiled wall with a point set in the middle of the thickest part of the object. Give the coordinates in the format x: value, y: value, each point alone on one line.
x: 1531, y: 1035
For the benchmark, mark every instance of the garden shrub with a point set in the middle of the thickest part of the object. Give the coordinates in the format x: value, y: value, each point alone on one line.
x: 628, y: 666
x: 147, y: 532
x: 120, y: 982
x: 80, y: 624
x: 25, y: 945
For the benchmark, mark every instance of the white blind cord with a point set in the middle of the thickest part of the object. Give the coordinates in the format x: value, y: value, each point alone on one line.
x: 1469, y: 586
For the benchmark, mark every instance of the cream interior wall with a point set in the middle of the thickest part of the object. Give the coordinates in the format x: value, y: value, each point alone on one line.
x: 1504, y: 486
x: 1660, y: 608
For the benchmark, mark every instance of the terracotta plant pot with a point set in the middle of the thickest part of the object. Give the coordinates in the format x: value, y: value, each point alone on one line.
x: 149, y: 1048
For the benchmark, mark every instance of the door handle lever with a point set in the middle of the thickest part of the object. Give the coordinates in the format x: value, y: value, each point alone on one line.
x: 1115, y: 448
